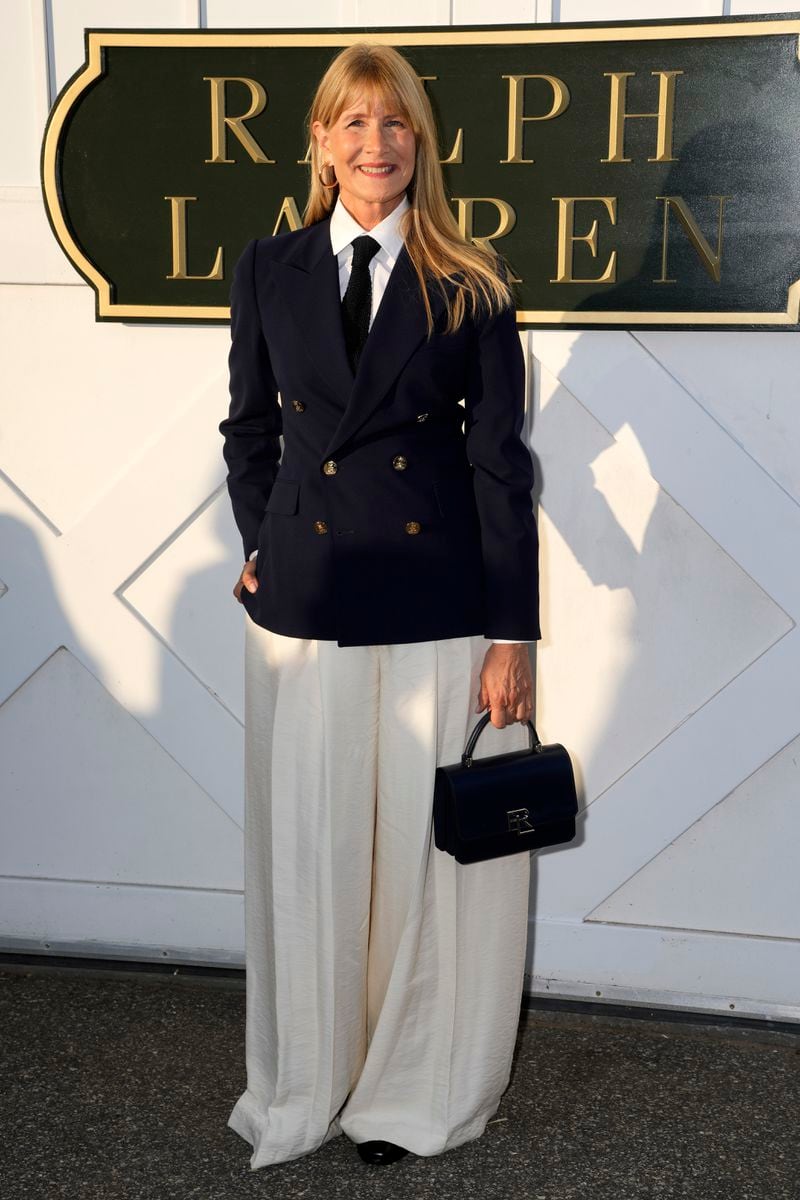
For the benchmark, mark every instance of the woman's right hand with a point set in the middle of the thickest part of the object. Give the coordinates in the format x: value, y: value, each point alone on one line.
x: 246, y: 579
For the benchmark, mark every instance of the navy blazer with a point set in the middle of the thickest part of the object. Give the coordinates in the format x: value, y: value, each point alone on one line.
x: 394, y: 513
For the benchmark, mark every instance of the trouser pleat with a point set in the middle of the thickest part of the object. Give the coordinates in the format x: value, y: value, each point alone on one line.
x: 440, y: 1052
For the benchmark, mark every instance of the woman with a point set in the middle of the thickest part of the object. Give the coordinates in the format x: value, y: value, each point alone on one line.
x: 382, y: 550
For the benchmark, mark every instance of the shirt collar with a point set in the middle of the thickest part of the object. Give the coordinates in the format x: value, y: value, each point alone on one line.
x: 344, y: 228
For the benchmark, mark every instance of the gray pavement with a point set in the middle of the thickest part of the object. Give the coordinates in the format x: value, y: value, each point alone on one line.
x: 119, y: 1084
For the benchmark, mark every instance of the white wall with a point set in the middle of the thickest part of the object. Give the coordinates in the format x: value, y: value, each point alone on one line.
x: 669, y: 467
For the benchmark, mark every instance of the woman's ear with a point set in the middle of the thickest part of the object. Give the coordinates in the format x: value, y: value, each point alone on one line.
x: 318, y: 131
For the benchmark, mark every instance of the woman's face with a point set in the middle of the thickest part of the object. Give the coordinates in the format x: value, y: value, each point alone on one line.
x: 369, y: 136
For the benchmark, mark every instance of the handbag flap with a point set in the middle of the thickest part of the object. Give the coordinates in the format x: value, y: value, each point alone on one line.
x: 513, y: 792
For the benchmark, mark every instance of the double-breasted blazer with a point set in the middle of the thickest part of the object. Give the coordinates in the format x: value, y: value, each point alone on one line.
x: 391, y: 512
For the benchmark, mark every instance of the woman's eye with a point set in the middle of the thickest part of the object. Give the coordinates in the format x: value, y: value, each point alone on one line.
x: 391, y: 121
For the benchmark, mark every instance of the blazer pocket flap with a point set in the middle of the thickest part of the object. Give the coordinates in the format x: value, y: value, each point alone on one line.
x: 284, y: 496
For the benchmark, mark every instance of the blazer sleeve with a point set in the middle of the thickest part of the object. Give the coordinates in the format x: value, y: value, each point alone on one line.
x: 252, y: 429
x: 503, y: 478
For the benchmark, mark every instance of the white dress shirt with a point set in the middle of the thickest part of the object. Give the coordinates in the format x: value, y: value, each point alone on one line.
x: 344, y: 228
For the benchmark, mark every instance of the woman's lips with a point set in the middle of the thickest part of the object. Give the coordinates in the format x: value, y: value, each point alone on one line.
x: 376, y: 171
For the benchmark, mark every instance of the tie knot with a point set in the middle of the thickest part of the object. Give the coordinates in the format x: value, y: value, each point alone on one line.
x: 364, y: 248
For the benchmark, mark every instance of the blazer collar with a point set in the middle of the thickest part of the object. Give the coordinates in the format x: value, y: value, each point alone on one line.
x: 307, y: 275
x: 344, y: 228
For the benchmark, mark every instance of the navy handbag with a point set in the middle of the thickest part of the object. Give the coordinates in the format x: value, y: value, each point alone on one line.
x: 504, y: 803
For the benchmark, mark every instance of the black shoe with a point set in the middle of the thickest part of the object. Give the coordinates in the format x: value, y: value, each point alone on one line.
x: 380, y: 1152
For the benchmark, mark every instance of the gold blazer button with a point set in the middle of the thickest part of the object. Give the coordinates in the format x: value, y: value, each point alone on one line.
x: 413, y: 527
x: 321, y: 526
x: 330, y: 467
x: 399, y: 462
x: 298, y: 405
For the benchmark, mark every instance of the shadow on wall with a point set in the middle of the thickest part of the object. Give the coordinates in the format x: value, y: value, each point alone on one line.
x: 644, y: 616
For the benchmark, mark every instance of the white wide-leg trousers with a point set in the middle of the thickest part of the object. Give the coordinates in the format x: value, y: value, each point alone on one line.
x: 384, y: 979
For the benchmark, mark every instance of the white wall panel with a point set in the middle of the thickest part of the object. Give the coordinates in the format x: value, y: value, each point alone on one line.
x: 23, y: 92
x: 733, y: 871
x: 689, y: 453
x: 108, y: 920
x: 635, y: 10
x: 667, y: 469
x: 28, y: 251
x: 72, y: 17
x: 272, y: 14
x: 103, y: 392
x: 635, y: 965
x: 136, y: 817
x: 185, y: 590
x: 506, y: 12
x: 747, y: 384
x: 627, y: 574
x: 737, y: 8
x: 375, y: 13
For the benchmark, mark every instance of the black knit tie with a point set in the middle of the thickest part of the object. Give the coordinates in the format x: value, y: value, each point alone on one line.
x: 357, y: 300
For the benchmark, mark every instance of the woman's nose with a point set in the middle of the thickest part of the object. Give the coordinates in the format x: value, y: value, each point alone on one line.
x: 375, y: 138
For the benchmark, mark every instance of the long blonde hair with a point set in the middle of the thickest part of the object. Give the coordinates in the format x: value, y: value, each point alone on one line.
x: 434, y: 242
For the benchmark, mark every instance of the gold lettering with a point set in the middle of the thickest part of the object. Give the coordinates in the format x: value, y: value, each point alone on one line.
x: 291, y: 213
x: 179, y: 241
x: 711, y: 262
x: 517, y: 117
x: 456, y: 155
x: 567, y: 237
x: 220, y: 120
x: 618, y: 116
x: 507, y: 219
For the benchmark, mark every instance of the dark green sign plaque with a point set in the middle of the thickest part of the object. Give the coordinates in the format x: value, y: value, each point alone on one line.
x: 639, y: 174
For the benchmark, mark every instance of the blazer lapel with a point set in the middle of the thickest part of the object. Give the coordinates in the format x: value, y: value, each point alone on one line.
x: 396, y: 332
x: 310, y: 282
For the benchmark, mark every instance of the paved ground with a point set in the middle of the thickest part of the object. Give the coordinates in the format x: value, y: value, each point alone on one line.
x: 120, y: 1085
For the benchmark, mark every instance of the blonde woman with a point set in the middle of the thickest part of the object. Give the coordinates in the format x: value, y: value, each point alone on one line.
x: 390, y: 586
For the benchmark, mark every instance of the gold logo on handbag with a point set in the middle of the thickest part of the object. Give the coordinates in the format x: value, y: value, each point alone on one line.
x: 518, y: 819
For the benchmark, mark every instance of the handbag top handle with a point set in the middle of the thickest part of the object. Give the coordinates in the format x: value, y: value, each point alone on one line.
x: 534, y: 743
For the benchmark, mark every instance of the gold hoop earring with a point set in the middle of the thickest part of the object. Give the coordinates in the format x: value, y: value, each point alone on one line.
x: 322, y: 181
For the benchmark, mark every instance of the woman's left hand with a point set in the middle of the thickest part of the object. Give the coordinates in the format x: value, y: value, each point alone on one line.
x: 506, y: 684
